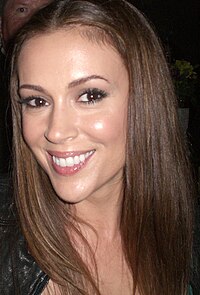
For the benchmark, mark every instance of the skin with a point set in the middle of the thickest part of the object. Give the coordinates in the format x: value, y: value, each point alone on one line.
x: 52, y: 69
x: 65, y: 122
x: 16, y: 13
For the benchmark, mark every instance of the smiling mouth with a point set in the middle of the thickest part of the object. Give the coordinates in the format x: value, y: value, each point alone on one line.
x: 71, y: 161
x: 68, y: 165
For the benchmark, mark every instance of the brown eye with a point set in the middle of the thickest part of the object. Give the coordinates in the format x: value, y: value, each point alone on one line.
x: 92, y: 96
x: 22, y: 10
x: 34, y: 102
x: 38, y: 102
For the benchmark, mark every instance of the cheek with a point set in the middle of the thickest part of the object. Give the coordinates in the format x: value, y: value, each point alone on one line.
x: 28, y: 136
x: 32, y: 130
x: 109, y: 128
x: 14, y: 25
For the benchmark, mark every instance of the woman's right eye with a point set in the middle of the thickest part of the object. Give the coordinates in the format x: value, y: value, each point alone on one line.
x: 34, y: 102
x: 22, y: 10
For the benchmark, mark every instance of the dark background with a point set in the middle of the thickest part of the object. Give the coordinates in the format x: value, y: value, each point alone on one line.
x: 177, y: 22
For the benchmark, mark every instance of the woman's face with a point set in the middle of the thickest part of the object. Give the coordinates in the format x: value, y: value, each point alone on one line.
x: 74, y: 95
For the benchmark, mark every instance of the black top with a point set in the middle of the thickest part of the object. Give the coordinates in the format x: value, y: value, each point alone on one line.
x: 20, y: 274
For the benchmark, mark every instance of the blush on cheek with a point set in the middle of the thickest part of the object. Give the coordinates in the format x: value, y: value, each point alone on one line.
x: 99, y: 125
x: 108, y: 129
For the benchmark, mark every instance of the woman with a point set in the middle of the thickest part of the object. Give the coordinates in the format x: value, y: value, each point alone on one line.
x: 102, y: 182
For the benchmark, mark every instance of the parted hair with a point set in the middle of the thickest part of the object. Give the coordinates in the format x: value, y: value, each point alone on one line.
x: 156, y: 218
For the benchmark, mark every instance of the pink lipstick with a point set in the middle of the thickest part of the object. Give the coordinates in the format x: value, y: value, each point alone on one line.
x: 69, y: 163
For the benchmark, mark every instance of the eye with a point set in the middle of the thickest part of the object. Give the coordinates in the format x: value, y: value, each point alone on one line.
x: 34, y: 102
x: 92, y: 95
x: 22, y: 10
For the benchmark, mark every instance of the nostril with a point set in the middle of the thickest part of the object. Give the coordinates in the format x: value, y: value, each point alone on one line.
x: 62, y: 124
x: 58, y: 137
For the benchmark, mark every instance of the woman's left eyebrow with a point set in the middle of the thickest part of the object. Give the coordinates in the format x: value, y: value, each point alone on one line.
x: 83, y: 80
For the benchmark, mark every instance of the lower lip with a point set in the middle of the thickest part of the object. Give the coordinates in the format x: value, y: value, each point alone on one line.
x: 68, y: 171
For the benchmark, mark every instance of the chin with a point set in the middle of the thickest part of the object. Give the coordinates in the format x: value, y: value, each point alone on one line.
x: 73, y: 193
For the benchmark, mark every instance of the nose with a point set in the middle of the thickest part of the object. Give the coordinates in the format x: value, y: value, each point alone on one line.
x: 62, y: 125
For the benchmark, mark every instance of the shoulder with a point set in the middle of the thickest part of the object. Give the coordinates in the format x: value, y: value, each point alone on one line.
x: 19, y: 273
x: 8, y: 233
x: 7, y: 208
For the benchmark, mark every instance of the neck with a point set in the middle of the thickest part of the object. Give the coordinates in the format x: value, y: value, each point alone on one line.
x: 102, y: 214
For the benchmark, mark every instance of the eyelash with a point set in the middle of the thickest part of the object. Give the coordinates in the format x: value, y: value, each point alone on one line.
x: 91, y: 91
x: 27, y: 101
x: 22, y: 9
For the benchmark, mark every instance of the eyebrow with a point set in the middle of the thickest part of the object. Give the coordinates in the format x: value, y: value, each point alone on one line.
x: 72, y: 84
x: 84, y: 80
x: 23, y: 2
x: 32, y: 87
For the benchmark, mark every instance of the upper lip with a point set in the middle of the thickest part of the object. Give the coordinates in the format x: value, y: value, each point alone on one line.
x: 68, y: 153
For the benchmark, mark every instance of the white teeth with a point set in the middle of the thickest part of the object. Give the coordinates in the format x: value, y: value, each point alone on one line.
x: 82, y: 158
x: 62, y: 162
x: 71, y: 161
x: 57, y: 161
x: 76, y: 160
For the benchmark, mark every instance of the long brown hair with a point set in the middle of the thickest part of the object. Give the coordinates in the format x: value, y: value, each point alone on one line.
x: 156, y: 220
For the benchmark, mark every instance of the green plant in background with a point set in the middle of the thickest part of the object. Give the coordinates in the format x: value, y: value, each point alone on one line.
x: 186, y: 82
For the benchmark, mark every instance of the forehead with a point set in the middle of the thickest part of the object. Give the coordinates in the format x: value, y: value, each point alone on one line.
x: 71, y: 39
x: 72, y: 55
